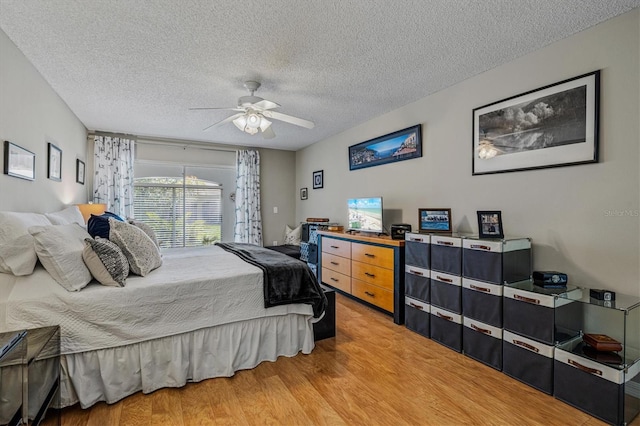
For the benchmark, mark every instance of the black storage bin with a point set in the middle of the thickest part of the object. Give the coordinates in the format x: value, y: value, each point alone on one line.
x: 446, y: 291
x: 482, y: 302
x: 446, y: 254
x: 591, y: 386
x: 496, y: 261
x: 417, y: 250
x: 304, y: 237
x: 326, y: 327
x: 446, y: 328
x: 539, y: 314
x: 416, y: 283
x: 482, y: 342
x: 416, y: 316
x: 529, y: 361
x: 313, y: 253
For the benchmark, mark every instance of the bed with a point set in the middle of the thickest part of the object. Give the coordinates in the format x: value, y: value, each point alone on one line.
x: 200, y: 315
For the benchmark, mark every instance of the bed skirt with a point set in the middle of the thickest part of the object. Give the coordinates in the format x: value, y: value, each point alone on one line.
x: 114, y: 373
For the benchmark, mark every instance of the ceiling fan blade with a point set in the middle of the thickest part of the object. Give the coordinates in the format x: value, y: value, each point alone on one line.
x: 268, y: 133
x: 289, y: 119
x: 226, y: 109
x: 220, y: 123
x: 265, y: 104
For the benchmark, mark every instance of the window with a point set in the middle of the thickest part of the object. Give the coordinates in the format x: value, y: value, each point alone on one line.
x: 182, y: 212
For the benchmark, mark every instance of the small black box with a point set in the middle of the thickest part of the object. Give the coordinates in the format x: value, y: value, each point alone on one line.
x: 398, y: 230
x: 602, y: 294
x: 326, y: 327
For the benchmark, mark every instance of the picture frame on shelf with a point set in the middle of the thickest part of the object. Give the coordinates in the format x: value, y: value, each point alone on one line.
x: 304, y: 194
x: 80, y: 170
x: 490, y: 224
x: 318, y: 179
x: 553, y: 126
x: 401, y: 145
x: 19, y: 162
x: 54, y: 162
x: 434, y: 221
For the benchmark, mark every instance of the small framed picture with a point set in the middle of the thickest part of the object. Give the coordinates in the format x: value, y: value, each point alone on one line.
x: 54, y: 164
x: 80, y: 171
x: 437, y: 221
x: 318, y: 178
x: 490, y: 224
x: 303, y: 194
x: 19, y: 162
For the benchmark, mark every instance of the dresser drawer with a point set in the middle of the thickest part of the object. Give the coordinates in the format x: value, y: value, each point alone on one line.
x: 373, y: 255
x: 336, y: 263
x: 372, y: 274
x: 338, y: 247
x: 372, y: 294
x: 336, y: 279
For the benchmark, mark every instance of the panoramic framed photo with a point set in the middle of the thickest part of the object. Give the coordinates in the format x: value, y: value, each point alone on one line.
x: 80, y: 171
x: 18, y: 162
x: 490, y: 224
x: 402, y: 145
x: 318, y: 179
x: 304, y: 194
x: 434, y: 221
x: 556, y: 125
x: 54, y: 163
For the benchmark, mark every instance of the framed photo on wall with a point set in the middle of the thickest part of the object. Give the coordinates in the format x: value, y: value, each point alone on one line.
x: 318, y: 179
x: 553, y: 126
x: 402, y: 145
x: 490, y: 224
x: 304, y: 194
x: 437, y: 221
x: 18, y: 162
x: 80, y: 171
x: 54, y: 163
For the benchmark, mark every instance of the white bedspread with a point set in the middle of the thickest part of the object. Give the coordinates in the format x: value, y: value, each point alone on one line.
x: 193, y: 289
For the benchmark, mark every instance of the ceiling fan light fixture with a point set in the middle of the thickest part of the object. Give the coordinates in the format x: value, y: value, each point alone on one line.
x: 253, y: 120
x: 241, y: 122
x: 264, y: 124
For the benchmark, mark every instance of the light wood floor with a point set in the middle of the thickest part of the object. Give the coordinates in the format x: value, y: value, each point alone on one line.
x: 373, y: 373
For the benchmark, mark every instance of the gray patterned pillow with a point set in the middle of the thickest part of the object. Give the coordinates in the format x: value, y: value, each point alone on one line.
x: 106, y: 261
x: 147, y: 230
x: 141, y: 252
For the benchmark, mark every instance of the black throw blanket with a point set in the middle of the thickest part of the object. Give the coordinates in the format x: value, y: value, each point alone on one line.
x: 286, y: 280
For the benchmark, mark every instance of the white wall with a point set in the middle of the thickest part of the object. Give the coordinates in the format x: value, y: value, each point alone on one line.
x: 571, y: 213
x: 32, y: 114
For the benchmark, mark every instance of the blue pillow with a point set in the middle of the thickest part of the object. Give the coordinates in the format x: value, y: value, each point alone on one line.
x: 99, y: 225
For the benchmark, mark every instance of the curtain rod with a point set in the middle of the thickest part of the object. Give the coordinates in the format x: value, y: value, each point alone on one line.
x: 189, y: 144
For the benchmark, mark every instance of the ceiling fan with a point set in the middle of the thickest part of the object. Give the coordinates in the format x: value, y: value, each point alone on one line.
x: 253, y: 113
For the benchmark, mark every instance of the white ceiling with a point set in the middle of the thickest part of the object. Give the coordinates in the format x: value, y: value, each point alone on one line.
x: 136, y: 66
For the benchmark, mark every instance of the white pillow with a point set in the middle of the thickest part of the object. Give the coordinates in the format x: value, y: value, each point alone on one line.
x: 143, y: 255
x: 17, y: 251
x: 66, y: 217
x: 59, y: 248
x: 293, y: 236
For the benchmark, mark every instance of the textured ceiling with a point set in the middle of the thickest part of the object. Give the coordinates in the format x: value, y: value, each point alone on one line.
x: 136, y: 66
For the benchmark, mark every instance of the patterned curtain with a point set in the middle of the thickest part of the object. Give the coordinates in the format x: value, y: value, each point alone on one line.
x: 113, y: 174
x: 248, y: 227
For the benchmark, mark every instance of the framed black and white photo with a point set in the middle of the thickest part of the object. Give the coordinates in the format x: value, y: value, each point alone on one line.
x: 318, y: 179
x: 490, y: 224
x: 18, y: 162
x: 556, y: 125
x: 436, y: 221
x: 303, y: 194
x: 80, y: 171
x: 54, y: 163
x: 402, y: 145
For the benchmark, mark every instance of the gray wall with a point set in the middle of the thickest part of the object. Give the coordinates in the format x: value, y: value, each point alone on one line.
x: 583, y: 219
x: 32, y: 114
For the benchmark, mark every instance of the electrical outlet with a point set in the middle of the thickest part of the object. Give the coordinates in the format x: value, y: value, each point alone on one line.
x: 275, y: 243
x: 275, y: 210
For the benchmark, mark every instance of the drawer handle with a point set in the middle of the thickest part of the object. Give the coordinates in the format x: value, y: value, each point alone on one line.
x: 334, y: 263
x: 445, y: 243
x: 585, y: 368
x: 368, y: 293
x: 413, y: 305
x: 526, y: 346
x: 370, y: 275
x: 446, y: 317
x: 446, y: 280
x: 484, y: 289
x: 526, y: 299
x: 370, y: 255
x: 334, y: 279
x: 481, y: 247
x: 416, y: 239
x: 415, y: 272
x: 481, y: 330
x: 335, y: 247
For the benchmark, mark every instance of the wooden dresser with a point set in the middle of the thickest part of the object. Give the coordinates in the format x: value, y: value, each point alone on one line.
x: 367, y: 268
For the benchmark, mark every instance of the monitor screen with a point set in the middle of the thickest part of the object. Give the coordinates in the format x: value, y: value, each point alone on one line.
x: 365, y: 214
